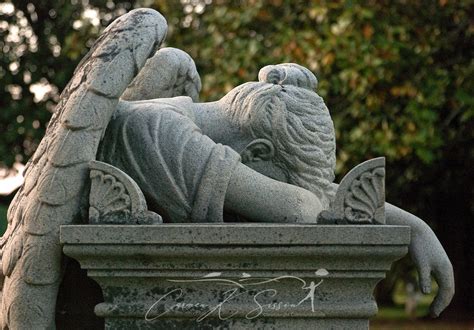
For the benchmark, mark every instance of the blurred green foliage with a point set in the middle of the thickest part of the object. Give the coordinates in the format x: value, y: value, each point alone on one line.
x: 397, y: 77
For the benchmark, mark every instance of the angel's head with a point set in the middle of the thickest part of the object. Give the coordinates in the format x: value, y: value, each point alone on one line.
x: 290, y: 128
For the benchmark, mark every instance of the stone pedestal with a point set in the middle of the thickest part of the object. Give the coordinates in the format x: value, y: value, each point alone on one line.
x: 236, y: 276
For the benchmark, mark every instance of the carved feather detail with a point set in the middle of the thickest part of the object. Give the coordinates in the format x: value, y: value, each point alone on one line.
x: 179, y: 79
x: 57, y: 173
x: 13, y: 250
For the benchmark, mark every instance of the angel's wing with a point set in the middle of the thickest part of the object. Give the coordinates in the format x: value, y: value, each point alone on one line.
x: 170, y: 72
x: 57, y: 173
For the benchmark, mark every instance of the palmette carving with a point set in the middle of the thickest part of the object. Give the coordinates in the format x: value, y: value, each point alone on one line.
x: 360, y: 197
x: 109, y: 198
x: 365, y: 199
x: 116, y: 199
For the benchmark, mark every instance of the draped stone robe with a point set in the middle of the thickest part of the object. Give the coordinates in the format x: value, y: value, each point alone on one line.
x: 183, y: 173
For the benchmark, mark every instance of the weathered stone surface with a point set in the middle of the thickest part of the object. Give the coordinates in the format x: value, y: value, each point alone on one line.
x: 59, y: 169
x: 169, y: 73
x: 284, y: 276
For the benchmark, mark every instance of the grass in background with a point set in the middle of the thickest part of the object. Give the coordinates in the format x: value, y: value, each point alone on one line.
x: 396, y: 318
x: 399, y: 297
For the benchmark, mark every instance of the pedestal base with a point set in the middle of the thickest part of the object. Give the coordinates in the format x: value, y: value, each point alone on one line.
x: 236, y: 276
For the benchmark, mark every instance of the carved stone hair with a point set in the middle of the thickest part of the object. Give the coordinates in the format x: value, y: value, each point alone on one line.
x: 288, y: 74
x: 284, y: 109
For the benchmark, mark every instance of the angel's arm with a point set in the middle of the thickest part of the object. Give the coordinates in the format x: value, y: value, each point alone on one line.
x: 170, y: 72
x: 259, y: 198
x: 427, y: 254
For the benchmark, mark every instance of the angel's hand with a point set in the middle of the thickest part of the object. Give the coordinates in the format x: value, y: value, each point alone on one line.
x: 170, y: 72
x: 431, y: 259
x: 428, y: 255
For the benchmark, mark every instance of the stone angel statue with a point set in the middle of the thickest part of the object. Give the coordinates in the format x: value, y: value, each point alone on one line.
x: 264, y: 152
